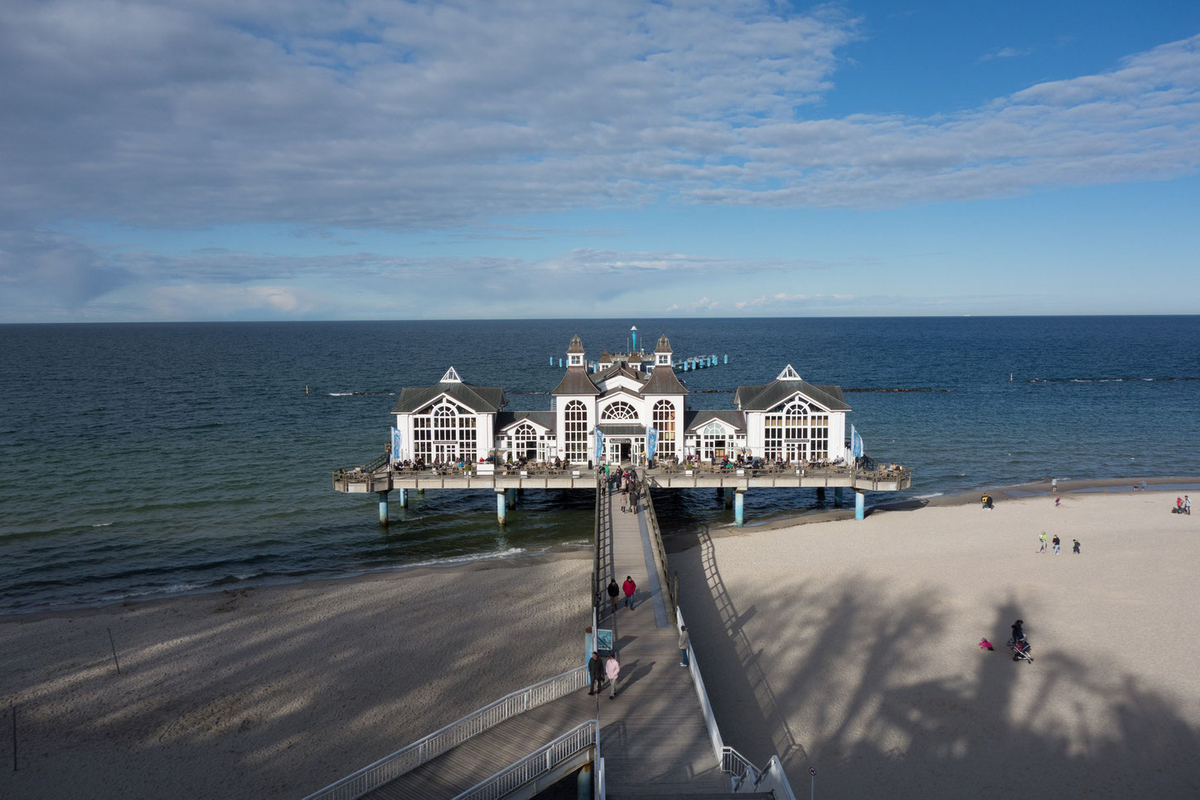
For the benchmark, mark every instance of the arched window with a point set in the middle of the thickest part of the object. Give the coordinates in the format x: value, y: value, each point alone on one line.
x: 798, y: 431
x: 445, y: 432
x: 663, y: 418
x: 619, y: 410
x: 524, y: 442
x: 714, y: 441
x: 575, y: 437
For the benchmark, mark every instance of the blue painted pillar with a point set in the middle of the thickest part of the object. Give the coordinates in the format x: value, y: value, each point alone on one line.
x: 860, y: 499
x: 383, y: 515
x: 403, y: 497
x: 501, y: 505
x: 739, y: 507
x: 837, y: 496
x: 583, y: 783
x: 727, y: 358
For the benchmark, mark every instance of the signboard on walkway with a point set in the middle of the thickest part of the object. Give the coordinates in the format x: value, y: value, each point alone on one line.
x: 604, y: 641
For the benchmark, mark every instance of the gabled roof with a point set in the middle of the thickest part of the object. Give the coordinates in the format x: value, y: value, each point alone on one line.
x: 576, y: 381
x: 694, y: 420
x: 615, y: 370
x: 507, y: 419
x: 768, y: 395
x: 614, y: 391
x: 480, y: 399
x: 663, y: 381
x: 576, y: 345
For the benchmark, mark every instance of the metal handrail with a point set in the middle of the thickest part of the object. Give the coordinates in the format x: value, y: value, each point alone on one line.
x: 671, y: 585
x: 739, y: 768
x: 538, y: 762
x: 406, y: 759
x: 597, y: 585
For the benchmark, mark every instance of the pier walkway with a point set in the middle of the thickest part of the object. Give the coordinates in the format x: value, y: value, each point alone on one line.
x: 653, y: 736
x: 483, y: 755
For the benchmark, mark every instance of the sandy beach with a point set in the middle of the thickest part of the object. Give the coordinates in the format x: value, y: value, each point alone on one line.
x: 275, y: 692
x: 848, y: 646
x: 853, y: 647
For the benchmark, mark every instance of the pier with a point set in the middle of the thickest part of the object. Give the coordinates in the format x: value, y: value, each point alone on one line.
x: 658, y: 737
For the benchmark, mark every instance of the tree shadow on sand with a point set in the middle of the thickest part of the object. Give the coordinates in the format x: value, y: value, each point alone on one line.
x: 839, y: 679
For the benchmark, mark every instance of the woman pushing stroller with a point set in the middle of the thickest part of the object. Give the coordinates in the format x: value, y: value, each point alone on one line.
x: 1019, y: 644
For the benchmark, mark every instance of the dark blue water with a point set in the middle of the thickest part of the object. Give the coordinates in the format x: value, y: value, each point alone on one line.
x: 146, y: 459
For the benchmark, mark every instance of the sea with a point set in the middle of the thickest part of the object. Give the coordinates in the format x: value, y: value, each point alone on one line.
x: 145, y: 460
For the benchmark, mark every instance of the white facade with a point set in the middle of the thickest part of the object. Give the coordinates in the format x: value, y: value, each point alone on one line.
x: 784, y: 420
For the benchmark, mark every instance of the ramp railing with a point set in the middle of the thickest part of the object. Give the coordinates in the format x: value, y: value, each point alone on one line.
x: 744, y: 776
x: 539, y: 762
x: 668, y: 582
x: 406, y: 759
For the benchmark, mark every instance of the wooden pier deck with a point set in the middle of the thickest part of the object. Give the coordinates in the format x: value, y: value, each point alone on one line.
x: 652, y: 736
x: 485, y: 754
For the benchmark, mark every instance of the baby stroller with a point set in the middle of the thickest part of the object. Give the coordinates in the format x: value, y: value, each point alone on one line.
x: 1021, y: 650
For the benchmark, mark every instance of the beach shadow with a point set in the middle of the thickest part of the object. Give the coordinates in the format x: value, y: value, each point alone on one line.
x: 842, y: 696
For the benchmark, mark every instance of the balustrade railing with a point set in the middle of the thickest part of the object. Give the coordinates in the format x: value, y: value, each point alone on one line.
x: 406, y: 759
x: 669, y: 582
x: 539, y: 762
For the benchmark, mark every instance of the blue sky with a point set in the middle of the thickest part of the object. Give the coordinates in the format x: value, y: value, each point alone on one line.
x: 304, y: 159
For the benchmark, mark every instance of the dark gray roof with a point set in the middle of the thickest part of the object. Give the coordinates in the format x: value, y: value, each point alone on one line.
x: 617, y: 369
x: 663, y: 345
x: 506, y: 418
x: 576, y: 381
x: 768, y: 395
x: 576, y: 345
x: 693, y: 420
x: 621, y: 429
x: 477, y: 398
x: 663, y: 381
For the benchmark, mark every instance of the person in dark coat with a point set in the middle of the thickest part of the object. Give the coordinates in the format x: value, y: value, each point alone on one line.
x: 614, y: 592
x: 596, y: 673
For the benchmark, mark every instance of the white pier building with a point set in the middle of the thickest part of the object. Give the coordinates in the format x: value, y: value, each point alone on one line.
x: 627, y: 400
x: 626, y: 409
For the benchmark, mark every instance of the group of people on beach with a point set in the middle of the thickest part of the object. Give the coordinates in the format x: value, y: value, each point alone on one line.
x: 1183, y: 505
x: 1057, y: 544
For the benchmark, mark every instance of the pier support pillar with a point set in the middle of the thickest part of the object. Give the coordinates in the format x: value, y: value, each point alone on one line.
x: 501, y: 504
x: 739, y: 507
x: 729, y: 497
x: 837, y: 496
x: 821, y: 494
x: 383, y: 515
x: 583, y: 783
x: 860, y: 501
x: 402, y: 497
x: 420, y: 491
x: 510, y: 497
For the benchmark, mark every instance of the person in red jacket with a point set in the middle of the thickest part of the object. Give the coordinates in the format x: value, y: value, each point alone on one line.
x: 629, y: 588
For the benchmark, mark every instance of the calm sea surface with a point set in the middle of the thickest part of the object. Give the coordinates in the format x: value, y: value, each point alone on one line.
x: 140, y: 460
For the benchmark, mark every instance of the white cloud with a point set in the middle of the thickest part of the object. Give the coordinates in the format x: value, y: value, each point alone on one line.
x: 1007, y: 52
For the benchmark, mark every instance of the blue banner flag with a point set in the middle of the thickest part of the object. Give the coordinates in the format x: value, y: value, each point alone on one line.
x: 397, y: 445
x: 651, y: 442
x: 599, y: 444
x: 856, y: 443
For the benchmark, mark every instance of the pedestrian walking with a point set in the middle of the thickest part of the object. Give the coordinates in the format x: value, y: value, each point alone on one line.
x: 1076, y: 548
x: 629, y: 587
x: 1187, y: 505
x: 612, y: 669
x: 614, y: 592
x: 1056, y: 544
x: 1054, y: 486
x: 595, y: 673
x: 1043, y: 541
x: 683, y: 645
x: 1057, y: 501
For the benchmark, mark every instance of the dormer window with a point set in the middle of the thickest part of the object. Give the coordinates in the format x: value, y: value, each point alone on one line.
x: 663, y: 358
x: 576, y: 361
